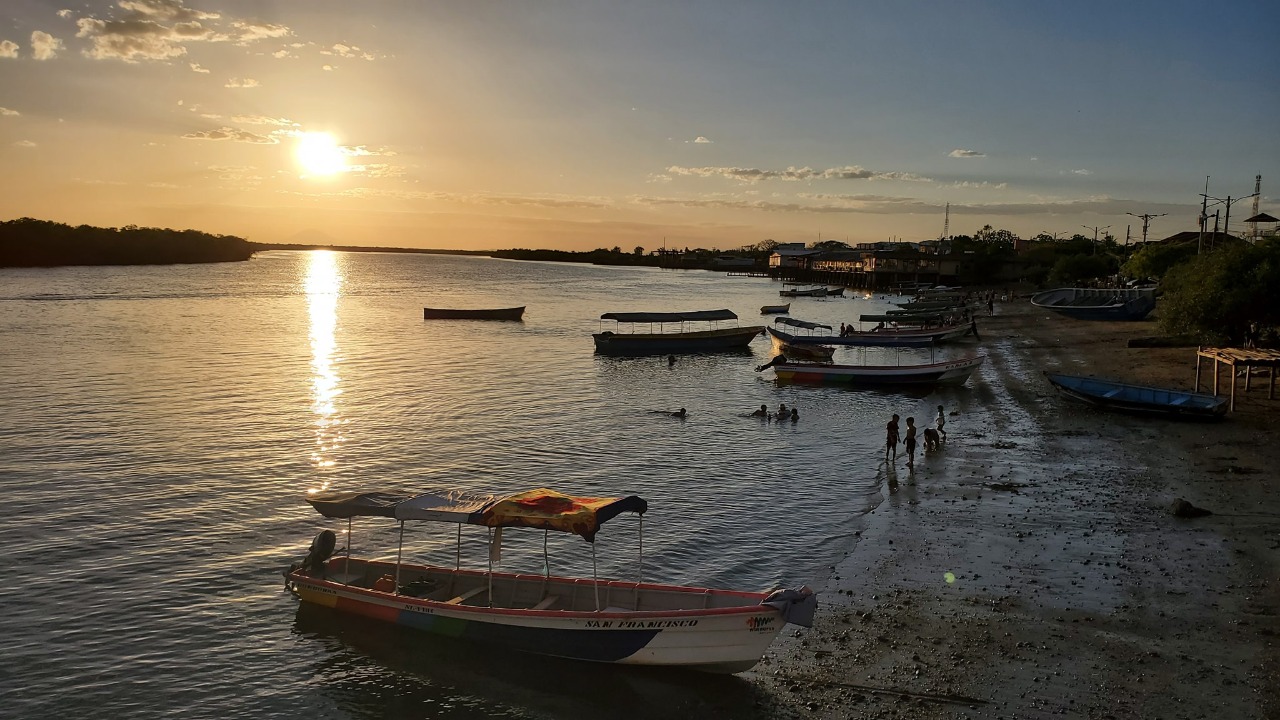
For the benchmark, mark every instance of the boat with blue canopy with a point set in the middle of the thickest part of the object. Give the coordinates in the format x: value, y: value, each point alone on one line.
x: 714, y: 339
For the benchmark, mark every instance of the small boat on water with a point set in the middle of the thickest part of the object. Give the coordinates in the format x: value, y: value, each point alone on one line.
x: 807, y: 351
x: 835, y: 292
x: 952, y: 372
x: 775, y: 309
x: 1114, y: 395
x: 611, y: 621
x: 1098, y: 303
x: 682, y: 341
x: 809, y: 292
x: 906, y: 337
x: 516, y: 313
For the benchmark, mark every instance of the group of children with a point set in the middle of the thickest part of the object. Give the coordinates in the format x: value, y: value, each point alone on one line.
x: 933, y: 437
x: 783, y: 414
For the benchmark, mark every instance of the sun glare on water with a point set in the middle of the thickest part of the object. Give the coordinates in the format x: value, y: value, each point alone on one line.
x: 319, y: 154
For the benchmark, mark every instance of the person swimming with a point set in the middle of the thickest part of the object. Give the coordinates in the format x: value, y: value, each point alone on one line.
x: 679, y: 413
x: 762, y: 412
x: 795, y: 415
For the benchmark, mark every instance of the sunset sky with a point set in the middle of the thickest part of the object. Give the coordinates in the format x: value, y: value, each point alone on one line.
x: 578, y: 125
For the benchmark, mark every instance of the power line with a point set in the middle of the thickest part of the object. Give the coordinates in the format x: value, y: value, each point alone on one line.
x: 1146, y: 220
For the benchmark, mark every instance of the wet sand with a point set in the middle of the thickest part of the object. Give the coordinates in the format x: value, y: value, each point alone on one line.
x: 1032, y: 568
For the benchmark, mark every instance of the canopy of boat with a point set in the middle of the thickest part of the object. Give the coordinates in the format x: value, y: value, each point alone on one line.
x: 911, y: 318
x: 802, y: 323
x: 703, y: 315
x: 540, y: 508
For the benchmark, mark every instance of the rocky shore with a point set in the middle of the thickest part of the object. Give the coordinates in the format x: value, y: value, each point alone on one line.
x: 1032, y: 567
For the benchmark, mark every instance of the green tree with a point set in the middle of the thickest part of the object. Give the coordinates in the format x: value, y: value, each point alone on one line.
x: 1073, y: 269
x: 1153, y: 260
x: 1216, y: 296
x: 638, y: 251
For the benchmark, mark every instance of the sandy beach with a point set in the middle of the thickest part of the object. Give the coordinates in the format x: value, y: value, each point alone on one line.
x: 1032, y: 566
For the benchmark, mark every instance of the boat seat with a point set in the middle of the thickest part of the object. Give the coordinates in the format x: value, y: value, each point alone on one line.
x: 1180, y: 401
x: 466, y: 595
x: 344, y: 578
x: 1112, y: 393
x: 546, y: 602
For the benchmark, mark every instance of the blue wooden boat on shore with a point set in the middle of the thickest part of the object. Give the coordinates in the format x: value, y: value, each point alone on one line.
x: 1141, y: 399
x: 1098, y: 303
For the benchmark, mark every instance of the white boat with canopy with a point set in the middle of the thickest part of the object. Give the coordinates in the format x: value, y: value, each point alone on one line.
x: 614, y: 621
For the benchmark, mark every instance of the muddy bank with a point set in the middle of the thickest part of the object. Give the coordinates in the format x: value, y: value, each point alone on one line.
x: 1032, y: 566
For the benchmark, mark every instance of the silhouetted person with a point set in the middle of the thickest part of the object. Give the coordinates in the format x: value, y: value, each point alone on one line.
x: 910, y: 442
x: 891, y: 438
x: 795, y: 415
x: 941, y: 422
x: 671, y: 360
x: 762, y: 412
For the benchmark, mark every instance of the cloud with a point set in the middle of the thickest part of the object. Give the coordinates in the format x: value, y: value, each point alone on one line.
x: 44, y: 46
x: 347, y: 51
x: 961, y: 153
x: 195, y: 67
x: 6, y: 111
x: 8, y: 49
x: 983, y: 185
x: 700, y: 140
x: 263, y: 120
x: 249, y: 32
x: 792, y: 174
x: 160, y: 30
x: 1081, y: 172
x: 241, y: 83
x: 24, y: 143
x: 64, y: 14
x: 327, y: 68
x: 361, y: 150
x: 227, y: 133
x: 280, y: 54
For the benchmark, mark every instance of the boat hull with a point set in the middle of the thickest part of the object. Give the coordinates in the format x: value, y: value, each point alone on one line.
x: 516, y: 313
x: 775, y: 309
x: 1097, y: 304
x: 1139, y: 399
x: 636, y: 344
x: 883, y: 338
x: 723, y: 640
x: 956, y: 372
x: 808, y: 351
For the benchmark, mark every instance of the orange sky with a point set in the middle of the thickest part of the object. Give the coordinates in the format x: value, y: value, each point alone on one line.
x: 584, y: 125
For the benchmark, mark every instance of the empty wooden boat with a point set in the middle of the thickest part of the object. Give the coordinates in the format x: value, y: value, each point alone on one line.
x: 1141, y: 399
x: 515, y: 313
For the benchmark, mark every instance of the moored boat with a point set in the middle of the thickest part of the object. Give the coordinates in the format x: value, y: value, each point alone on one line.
x: 516, y: 313
x: 1142, y: 399
x: 662, y: 343
x: 913, y: 337
x: 613, y: 621
x: 810, y: 292
x: 807, y: 351
x: 1098, y: 303
x: 775, y: 309
x: 952, y: 372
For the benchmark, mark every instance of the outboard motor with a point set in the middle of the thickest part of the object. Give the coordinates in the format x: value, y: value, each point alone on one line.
x: 321, y: 549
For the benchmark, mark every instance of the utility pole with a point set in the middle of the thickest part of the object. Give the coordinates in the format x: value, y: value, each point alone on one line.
x: 1146, y: 220
x: 1095, y: 230
x: 1229, y: 201
x: 1204, y: 214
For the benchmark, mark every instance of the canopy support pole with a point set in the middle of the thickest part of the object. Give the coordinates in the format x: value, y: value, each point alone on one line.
x: 399, y: 555
x: 457, y: 558
x: 641, y: 578
x: 346, y: 568
x: 490, y: 554
x: 594, y: 577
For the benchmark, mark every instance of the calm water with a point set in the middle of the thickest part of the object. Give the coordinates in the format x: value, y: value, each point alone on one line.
x: 159, y: 428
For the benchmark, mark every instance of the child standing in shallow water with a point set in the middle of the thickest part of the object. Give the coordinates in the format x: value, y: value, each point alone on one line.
x: 891, y: 439
x: 911, y: 442
x: 942, y: 422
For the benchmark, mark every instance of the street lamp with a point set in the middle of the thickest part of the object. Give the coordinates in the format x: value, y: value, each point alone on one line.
x: 1095, y: 230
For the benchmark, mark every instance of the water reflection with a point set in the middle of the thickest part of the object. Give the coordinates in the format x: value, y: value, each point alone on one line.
x: 323, y: 285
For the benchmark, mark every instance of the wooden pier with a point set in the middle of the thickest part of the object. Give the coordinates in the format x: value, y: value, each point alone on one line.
x: 1233, y: 357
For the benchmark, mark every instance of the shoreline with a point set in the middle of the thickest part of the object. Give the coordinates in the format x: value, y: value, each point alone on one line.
x: 1032, y: 567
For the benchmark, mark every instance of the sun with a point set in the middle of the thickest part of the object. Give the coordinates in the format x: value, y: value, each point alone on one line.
x: 319, y: 154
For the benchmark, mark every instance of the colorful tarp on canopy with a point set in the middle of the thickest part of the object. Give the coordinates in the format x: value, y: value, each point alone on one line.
x: 550, y: 510
x: 541, y: 508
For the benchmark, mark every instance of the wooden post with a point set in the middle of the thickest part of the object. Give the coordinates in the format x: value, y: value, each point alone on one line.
x: 1271, y: 391
x: 1215, y: 376
x: 1248, y: 374
x: 1197, y: 370
x: 1233, y: 386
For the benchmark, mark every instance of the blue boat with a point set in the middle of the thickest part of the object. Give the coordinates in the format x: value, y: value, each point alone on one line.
x: 681, y: 341
x: 1142, y: 399
x: 1098, y: 303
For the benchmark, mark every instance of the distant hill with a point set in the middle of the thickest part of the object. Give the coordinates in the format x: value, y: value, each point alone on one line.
x: 27, y: 242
